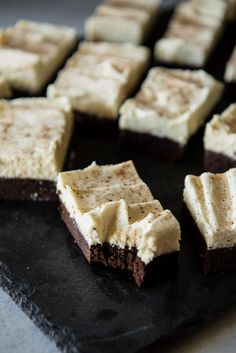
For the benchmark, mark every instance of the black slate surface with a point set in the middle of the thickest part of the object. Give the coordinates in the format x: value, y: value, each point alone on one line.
x: 91, y: 309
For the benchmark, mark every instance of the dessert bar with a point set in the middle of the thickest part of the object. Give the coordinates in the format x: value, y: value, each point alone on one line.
x: 122, y: 21
x: 34, y: 135
x: 31, y: 53
x: 192, y: 33
x: 230, y: 71
x: 170, y: 107
x: 98, y: 78
x: 220, y: 141
x: 115, y: 220
x: 210, y: 200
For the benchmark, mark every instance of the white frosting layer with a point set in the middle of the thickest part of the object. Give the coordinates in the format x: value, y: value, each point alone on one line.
x: 192, y: 33
x: 172, y: 103
x: 230, y: 72
x: 220, y: 133
x: 112, y: 204
x: 100, y: 76
x: 5, y: 90
x: 34, y: 135
x: 30, y: 53
x: 211, y: 200
x: 122, y: 21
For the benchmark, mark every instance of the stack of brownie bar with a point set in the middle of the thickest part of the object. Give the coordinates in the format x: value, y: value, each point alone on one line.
x: 108, y: 209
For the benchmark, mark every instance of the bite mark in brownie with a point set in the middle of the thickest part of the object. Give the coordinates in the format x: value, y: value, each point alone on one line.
x: 115, y: 220
x: 124, y: 259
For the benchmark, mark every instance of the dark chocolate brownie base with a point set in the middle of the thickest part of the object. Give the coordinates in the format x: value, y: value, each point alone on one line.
x: 217, y: 162
x: 162, y: 148
x: 124, y: 259
x: 17, y: 189
x: 212, y: 260
x: 92, y: 126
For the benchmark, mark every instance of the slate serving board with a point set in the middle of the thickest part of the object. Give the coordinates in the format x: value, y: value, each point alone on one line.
x: 92, y: 309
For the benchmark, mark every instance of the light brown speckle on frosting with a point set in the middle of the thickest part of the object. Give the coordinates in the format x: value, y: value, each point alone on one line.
x: 172, y: 103
x: 192, y: 33
x: 220, y: 133
x: 112, y: 204
x: 99, y: 76
x: 211, y: 200
x: 34, y: 135
x: 30, y: 52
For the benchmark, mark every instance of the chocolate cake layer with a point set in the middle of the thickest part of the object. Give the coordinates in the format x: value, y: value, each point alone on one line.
x: 17, y: 189
x: 214, y: 260
x: 124, y: 259
x: 92, y: 126
x: 217, y: 162
x: 163, y: 148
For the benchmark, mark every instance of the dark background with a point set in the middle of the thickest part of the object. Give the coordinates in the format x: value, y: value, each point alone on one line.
x: 68, y: 12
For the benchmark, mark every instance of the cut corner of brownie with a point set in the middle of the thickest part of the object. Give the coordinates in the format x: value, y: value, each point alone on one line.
x: 161, y: 267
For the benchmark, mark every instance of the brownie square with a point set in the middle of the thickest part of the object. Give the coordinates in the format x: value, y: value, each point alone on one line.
x: 34, y: 134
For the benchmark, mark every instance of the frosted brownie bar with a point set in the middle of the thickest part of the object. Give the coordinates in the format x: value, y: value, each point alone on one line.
x: 230, y: 72
x: 192, y: 33
x: 99, y: 77
x: 210, y: 200
x: 220, y: 141
x: 115, y: 220
x: 122, y: 21
x: 170, y: 107
x: 34, y: 135
x: 31, y: 52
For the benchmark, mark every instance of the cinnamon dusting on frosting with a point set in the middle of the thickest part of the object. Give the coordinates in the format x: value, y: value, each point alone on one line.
x: 112, y: 204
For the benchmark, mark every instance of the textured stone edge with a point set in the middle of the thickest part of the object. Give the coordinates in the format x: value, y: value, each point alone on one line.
x: 20, y: 293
